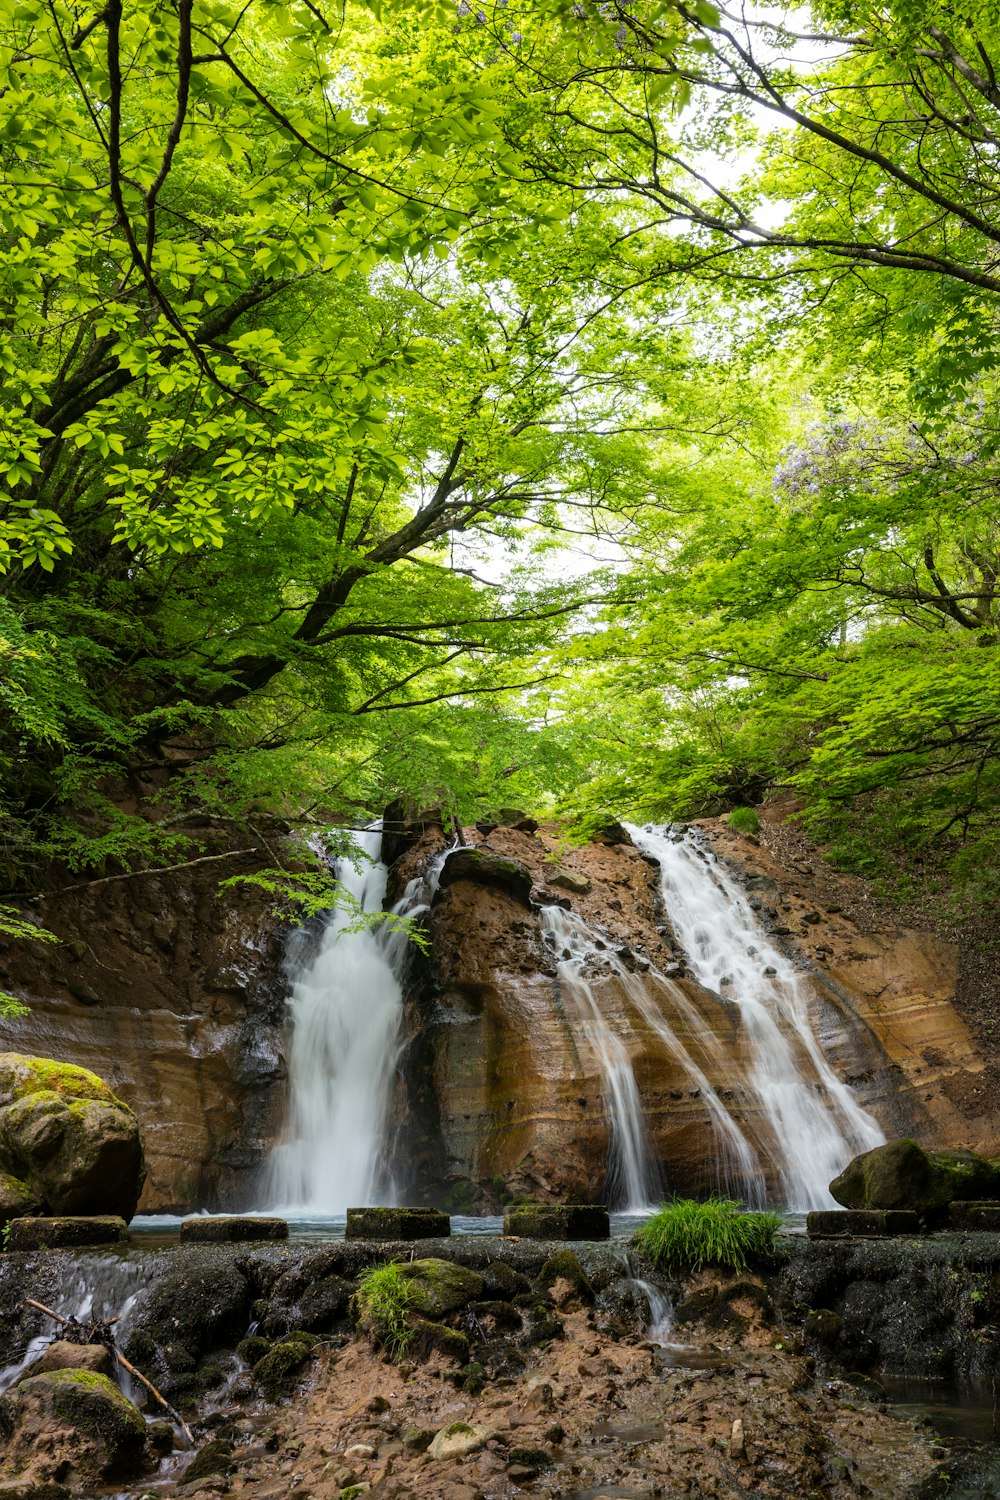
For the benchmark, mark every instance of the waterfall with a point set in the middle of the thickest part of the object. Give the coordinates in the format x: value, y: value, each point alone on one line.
x: 632, y: 1178
x: 346, y: 1009
x: 816, y: 1122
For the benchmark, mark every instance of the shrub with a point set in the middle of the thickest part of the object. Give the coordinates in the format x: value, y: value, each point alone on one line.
x: 685, y: 1236
x: 743, y: 820
x: 384, y: 1297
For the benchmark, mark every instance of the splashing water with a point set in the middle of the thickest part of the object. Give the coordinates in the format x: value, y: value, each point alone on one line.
x: 816, y: 1122
x: 346, y: 1008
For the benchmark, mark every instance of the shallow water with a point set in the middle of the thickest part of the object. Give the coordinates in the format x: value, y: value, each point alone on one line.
x: 952, y: 1410
x: 147, y: 1230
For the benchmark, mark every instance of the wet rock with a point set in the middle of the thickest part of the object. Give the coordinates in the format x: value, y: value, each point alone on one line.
x: 33, y: 1489
x: 558, y: 1222
x: 61, y: 1355
x: 418, y: 1439
x: 502, y: 1282
x: 282, y: 1363
x: 232, y: 1229
x: 982, y: 1216
x: 439, y: 1287
x: 67, y: 1138
x: 72, y: 1421
x: 252, y: 1348
x: 458, y: 1440
x: 484, y: 868
x: 568, y: 880
x: 429, y: 1338
x: 902, y: 1175
x: 198, y: 1307
x: 396, y: 1224
x: 17, y: 1199
x: 65, y: 1233
x: 215, y: 1457
x: 309, y: 1296
x: 563, y: 1277
x: 866, y: 1221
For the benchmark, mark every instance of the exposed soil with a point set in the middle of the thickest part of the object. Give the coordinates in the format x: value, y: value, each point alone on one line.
x: 604, y: 1418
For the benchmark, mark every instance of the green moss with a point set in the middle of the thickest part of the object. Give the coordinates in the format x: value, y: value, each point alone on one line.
x: 743, y: 820
x: 62, y: 1078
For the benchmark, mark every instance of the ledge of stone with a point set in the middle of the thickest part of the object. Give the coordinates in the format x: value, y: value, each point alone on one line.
x: 828, y: 1222
x: 558, y: 1221
x: 396, y: 1224
x: 230, y: 1229
x: 66, y: 1232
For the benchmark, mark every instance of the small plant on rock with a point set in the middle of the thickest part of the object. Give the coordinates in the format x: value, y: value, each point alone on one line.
x: 743, y: 820
x: 383, y: 1298
x: 686, y: 1236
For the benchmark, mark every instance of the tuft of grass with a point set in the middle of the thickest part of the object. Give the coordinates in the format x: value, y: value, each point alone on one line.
x: 685, y: 1236
x: 743, y: 820
x: 384, y: 1297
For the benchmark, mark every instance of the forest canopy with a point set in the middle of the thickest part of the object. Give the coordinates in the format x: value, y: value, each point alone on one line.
x: 590, y: 408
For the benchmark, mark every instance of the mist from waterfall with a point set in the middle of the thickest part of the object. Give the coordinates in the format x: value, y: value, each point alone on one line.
x: 346, y: 1011
x: 816, y: 1123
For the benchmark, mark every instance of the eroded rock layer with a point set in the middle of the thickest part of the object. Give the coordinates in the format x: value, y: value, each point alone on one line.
x: 502, y: 1093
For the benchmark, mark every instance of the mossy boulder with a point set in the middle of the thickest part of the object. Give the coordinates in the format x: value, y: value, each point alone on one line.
x: 17, y: 1199
x: 71, y: 1421
x: 61, y: 1355
x: 64, y: 1135
x: 563, y: 1277
x: 903, y: 1175
x: 214, y: 1457
x: 440, y: 1287
x: 282, y: 1362
x: 427, y: 1338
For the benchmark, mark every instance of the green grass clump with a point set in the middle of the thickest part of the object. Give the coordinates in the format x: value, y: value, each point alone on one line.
x: 743, y: 820
x: 686, y: 1236
x: 384, y: 1297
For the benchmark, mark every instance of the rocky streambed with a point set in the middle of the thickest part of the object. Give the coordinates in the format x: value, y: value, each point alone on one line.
x: 528, y: 1367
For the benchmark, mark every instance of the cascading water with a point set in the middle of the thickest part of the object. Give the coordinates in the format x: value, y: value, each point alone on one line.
x: 816, y: 1123
x: 633, y: 1180
x: 346, y: 1009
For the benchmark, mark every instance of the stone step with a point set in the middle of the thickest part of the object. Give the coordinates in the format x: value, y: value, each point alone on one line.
x: 982, y: 1215
x: 825, y: 1223
x: 396, y: 1224
x: 558, y: 1221
x: 230, y: 1229
x: 66, y: 1232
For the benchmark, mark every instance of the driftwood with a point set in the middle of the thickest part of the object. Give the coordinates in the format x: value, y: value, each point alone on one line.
x: 100, y: 1332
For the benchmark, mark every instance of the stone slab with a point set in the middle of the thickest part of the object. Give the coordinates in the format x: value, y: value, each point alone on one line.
x: 66, y: 1232
x: 231, y: 1229
x: 558, y: 1221
x: 824, y: 1222
x: 396, y: 1224
x: 982, y: 1216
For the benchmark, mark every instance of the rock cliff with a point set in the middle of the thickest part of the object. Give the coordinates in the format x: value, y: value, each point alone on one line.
x: 172, y: 991
x: 501, y: 1095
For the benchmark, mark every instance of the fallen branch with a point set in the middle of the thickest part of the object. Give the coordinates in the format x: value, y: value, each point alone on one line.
x: 125, y: 1363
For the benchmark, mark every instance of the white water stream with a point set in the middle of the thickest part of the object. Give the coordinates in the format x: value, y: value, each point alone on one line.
x: 815, y: 1121
x: 346, y: 1008
x: 632, y: 1176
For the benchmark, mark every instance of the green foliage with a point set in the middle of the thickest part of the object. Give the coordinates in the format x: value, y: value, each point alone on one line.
x: 304, y: 894
x: 383, y: 1298
x: 14, y: 926
x: 685, y: 1236
x: 744, y: 820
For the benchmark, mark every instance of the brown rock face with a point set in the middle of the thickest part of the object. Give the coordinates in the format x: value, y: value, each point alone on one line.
x: 172, y: 991
x: 502, y: 1092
